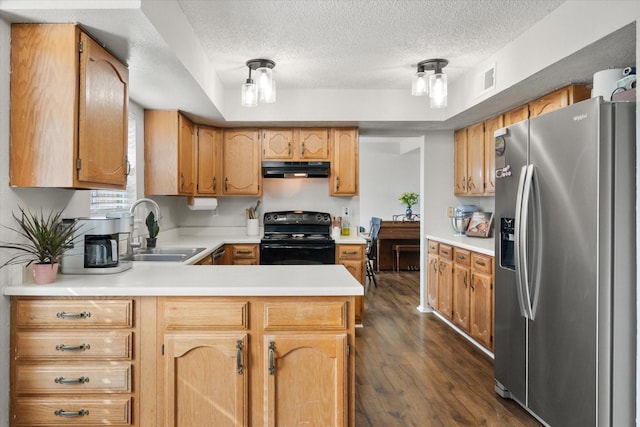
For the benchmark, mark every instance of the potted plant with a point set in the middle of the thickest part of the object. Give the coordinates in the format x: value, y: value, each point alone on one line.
x: 408, y: 199
x: 45, y: 240
x: 153, y: 228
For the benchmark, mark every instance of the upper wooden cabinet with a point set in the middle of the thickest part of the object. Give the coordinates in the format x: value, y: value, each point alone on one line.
x: 343, y: 180
x: 469, y: 166
x: 560, y: 98
x: 241, y: 163
x: 299, y: 144
x: 516, y: 115
x: 69, y: 99
x: 474, y: 147
x: 169, y: 154
x: 209, y: 161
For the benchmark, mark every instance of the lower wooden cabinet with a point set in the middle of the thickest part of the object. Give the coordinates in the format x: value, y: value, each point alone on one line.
x: 183, y: 361
x: 481, y: 303
x: 307, y: 380
x: 74, y: 361
x: 353, y: 257
x: 460, y: 289
x: 273, y: 361
x: 204, y: 379
x: 246, y: 254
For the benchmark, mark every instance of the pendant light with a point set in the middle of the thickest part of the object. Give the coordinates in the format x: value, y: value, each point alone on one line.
x: 437, y: 88
x: 419, y: 83
x: 264, y: 87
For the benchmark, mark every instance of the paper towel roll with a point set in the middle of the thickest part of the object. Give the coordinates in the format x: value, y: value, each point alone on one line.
x: 202, y: 203
x: 604, y: 83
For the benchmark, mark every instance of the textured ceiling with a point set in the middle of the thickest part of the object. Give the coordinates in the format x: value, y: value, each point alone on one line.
x: 319, y: 44
x: 355, y: 44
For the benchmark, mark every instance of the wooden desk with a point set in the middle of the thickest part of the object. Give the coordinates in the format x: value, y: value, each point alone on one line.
x: 398, y: 233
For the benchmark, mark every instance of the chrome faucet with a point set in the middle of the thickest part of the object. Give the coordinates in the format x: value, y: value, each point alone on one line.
x: 131, y: 244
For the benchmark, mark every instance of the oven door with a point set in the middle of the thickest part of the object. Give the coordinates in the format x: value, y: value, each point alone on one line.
x: 297, y: 253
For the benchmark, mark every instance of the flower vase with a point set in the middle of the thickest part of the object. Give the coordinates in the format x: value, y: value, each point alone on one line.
x: 408, y: 213
x: 44, y: 273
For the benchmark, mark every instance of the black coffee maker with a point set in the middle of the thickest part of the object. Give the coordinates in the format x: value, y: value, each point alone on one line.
x: 95, y: 248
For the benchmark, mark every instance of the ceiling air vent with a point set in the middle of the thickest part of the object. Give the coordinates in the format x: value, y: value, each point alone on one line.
x: 486, y: 80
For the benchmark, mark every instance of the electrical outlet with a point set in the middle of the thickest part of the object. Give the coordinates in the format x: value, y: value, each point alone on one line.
x: 450, y: 211
x: 345, y: 211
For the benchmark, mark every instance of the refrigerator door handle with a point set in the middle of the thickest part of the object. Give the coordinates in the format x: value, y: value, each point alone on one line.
x: 520, y: 278
x: 536, y: 255
x: 524, y: 244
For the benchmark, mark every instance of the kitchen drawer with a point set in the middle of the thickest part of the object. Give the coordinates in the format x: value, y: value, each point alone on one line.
x: 328, y: 316
x: 445, y: 251
x: 84, y: 378
x: 30, y: 411
x: 462, y: 256
x: 244, y: 251
x: 350, y: 251
x: 481, y: 262
x: 81, y: 345
x: 74, y: 313
x: 432, y: 247
x: 204, y: 313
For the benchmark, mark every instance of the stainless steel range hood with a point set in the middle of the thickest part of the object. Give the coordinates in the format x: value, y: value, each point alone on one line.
x: 295, y: 169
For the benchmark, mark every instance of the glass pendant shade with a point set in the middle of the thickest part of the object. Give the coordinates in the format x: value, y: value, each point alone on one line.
x: 264, y: 80
x: 249, y: 94
x: 269, y: 96
x: 438, y: 90
x: 419, y: 84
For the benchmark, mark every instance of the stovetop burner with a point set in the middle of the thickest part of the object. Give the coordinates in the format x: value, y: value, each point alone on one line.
x: 298, y: 226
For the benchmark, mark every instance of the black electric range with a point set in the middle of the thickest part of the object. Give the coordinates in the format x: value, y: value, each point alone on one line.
x: 297, y: 237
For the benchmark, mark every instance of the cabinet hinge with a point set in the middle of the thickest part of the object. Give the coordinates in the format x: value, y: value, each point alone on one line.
x: 80, y: 46
x: 162, y: 351
x: 78, y: 164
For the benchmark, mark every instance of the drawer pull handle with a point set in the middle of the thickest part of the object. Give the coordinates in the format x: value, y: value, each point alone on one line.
x: 460, y: 257
x: 272, y: 364
x: 83, y: 315
x: 81, y: 347
x: 350, y: 253
x: 70, y: 414
x: 81, y: 380
x: 244, y: 252
x: 239, y: 356
x: 480, y: 263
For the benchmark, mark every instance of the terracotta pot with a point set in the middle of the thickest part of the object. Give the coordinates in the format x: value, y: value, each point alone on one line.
x: 44, y: 273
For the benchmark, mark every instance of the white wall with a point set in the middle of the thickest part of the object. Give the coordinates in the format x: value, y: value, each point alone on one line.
x: 310, y: 194
x: 387, y: 170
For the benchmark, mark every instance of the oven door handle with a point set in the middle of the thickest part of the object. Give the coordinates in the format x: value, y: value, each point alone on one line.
x: 280, y: 246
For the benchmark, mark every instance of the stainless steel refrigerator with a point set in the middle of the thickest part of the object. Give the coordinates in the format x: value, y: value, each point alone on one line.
x: 565, y: 282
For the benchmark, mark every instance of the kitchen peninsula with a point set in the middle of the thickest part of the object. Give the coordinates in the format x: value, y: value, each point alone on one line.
x: 129, y: 348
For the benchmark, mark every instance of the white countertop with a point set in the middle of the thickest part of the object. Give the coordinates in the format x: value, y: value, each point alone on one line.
x: 477, y: 244
x: 173, y: 278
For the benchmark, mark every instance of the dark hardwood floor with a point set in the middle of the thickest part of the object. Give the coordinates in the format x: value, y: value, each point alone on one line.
x: 414, y: 370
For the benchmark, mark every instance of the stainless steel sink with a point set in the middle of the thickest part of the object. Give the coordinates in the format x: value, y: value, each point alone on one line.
x: 165, y: 254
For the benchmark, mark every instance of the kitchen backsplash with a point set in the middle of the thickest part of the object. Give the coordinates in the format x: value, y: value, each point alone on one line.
x: 278, y: 195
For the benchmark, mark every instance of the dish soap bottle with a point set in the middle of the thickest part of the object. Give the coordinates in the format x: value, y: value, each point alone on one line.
x: 345, y: 226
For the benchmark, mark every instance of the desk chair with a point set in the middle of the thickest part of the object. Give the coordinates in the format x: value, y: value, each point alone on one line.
x: 372, y: 249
